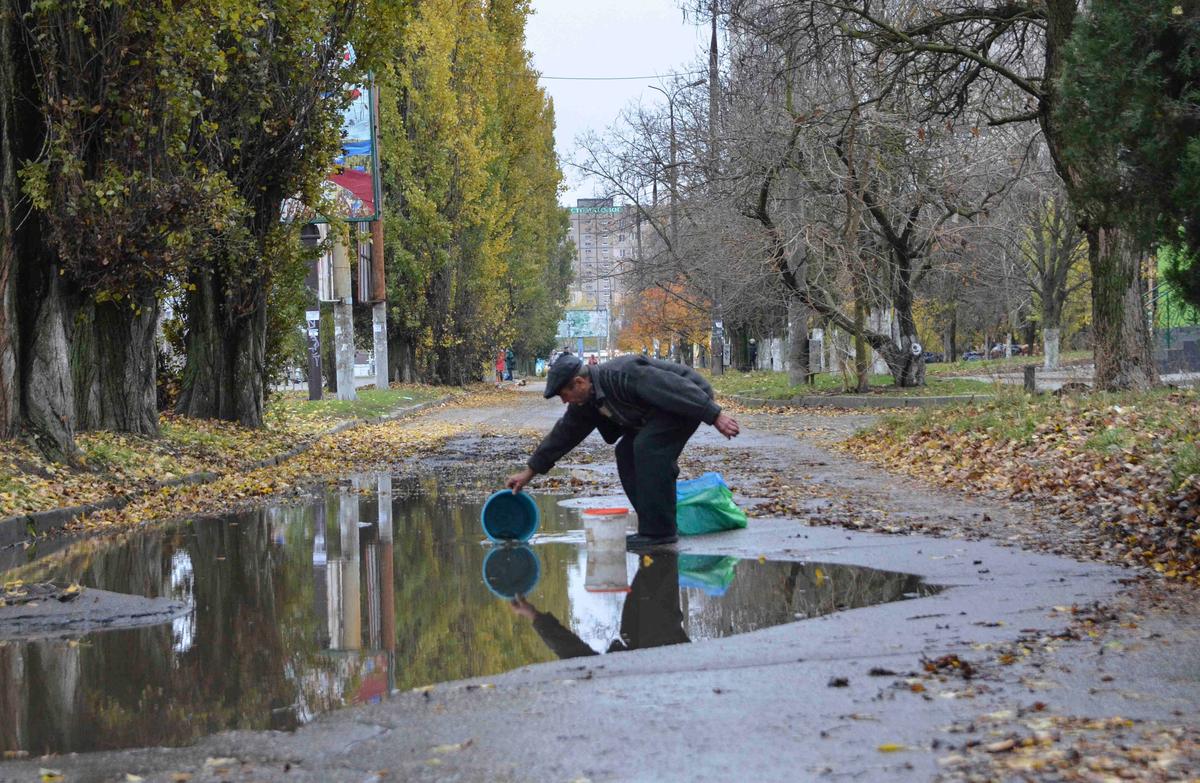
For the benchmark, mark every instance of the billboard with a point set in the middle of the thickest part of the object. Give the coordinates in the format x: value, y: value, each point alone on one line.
x: 351, y: 190
x: 354, y: 183
x: 583, y: 323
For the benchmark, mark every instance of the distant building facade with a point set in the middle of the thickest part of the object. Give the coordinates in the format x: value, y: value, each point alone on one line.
x: 605, y: 246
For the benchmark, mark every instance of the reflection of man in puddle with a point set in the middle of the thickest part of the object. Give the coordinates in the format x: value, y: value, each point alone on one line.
x: 651, y: 616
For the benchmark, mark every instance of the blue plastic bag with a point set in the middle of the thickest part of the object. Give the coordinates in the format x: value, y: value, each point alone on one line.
x: 705, y: 505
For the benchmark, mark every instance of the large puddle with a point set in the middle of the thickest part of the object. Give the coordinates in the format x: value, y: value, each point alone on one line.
x: 300, y: 610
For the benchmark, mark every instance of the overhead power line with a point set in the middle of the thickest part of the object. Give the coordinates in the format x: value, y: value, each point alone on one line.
x: 617, y: 78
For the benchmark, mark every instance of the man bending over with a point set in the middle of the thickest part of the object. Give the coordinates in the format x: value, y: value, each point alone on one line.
x: 649, y: 408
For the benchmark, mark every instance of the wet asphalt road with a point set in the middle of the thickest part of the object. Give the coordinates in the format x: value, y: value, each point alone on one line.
x: 758, y: 706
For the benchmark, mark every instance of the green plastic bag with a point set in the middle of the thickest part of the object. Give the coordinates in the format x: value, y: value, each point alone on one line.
x: 705, y: 505
x: 711, y: 573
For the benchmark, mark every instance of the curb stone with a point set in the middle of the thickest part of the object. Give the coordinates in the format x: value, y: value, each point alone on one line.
x: 860, y: 401
x: 20, y: 528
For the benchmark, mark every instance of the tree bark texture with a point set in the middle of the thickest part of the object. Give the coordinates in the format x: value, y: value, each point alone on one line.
x: 1122, y: 335
x: 48, y: 395
x: 37, y: 389
x: 226, y: 351
x: 113, y: 365
x: 402, y: 357
x: 950, y: 337
x: 1051, y: 338
x: 10, y: 393
x: 862, y: 359
x: 798, y: 346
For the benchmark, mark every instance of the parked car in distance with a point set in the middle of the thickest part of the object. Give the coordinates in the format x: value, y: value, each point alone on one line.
x: 1017, y: 350
x: 931, y: 357
x: 970, y: 356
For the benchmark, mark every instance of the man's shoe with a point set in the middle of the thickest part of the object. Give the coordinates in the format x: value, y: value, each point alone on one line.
x: 641, y: 541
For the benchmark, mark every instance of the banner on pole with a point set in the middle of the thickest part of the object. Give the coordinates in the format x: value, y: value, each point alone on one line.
x: 583, y: 323
x: 351, y: 190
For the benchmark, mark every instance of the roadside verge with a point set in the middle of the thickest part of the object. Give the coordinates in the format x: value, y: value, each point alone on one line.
x: 19, y: 528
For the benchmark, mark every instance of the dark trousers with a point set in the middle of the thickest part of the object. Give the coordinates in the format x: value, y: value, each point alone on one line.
x: 647, y: 464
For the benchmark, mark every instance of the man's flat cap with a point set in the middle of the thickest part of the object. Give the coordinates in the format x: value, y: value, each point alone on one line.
x: 563, y: 370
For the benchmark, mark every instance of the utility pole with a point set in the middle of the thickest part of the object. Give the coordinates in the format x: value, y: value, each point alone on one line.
x: 343, y: 317
x: 714, y: 87
x: 378, y: 283
x: 379, y: 306
x: 310, y: 236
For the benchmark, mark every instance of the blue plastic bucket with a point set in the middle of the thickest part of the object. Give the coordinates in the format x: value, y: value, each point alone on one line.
x: 509, y: 516
x: 511, y: 570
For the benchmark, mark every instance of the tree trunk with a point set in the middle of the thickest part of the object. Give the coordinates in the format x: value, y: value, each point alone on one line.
x: 798, y: 347
x: 1051, y: 336
x: 48, y: 397
x: 1122, y: 336
x: 907, y: 361
x: 403, y: 355
x: 738, y: 355
x: 10, y: 379
x: 862, y: 352
x: 226, y: 351
x: 328, y: 354
x: 113, y: 365
x: 950, y: 341
x: 407, y: 369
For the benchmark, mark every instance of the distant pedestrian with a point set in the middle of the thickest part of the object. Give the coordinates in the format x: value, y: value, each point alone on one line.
x: 592, y: 362
x: 499, y: 367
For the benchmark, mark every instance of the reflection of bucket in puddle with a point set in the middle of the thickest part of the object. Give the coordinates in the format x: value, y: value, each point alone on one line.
x: 607, y: 571
x: 511, y: 570
x: 605, y: 527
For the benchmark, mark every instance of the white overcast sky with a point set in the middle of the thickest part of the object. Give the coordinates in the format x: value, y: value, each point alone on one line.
x: 609, y: 38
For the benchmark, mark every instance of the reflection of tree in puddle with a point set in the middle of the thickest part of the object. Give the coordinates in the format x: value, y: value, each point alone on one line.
x: 773, y: 592
x: 305, y: 609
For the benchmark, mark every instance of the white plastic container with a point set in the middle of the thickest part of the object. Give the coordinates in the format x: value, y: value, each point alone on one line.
x: 607, y: 571
x: 605, y: 527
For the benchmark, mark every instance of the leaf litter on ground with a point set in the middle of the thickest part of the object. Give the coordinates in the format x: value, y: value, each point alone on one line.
x: 1124, y: 470
x: 119, y: 464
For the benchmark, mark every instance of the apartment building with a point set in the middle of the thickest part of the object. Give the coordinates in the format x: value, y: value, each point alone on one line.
x: 605, y: 242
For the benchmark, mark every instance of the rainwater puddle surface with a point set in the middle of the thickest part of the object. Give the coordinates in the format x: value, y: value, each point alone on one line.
x: 300, y: 610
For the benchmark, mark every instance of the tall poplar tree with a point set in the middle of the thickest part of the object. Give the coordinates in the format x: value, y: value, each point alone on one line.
x: 471, y: 182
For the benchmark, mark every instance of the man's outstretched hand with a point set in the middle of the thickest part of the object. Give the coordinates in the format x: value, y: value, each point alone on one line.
x: 518, y: 480
x: 523, y: 608
x: 727, y: 426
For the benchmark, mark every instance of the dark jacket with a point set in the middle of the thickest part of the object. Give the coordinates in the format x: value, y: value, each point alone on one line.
x: 627, y: 391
